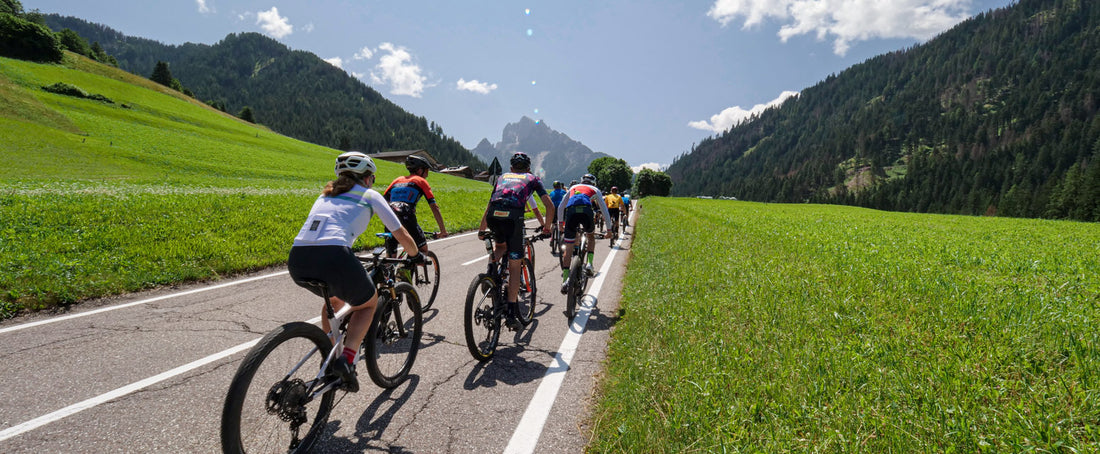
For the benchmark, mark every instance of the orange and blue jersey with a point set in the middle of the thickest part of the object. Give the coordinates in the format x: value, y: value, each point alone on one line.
x: 409, y: 189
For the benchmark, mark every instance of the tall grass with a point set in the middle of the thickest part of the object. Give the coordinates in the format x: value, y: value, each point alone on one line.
x: 156, y: 188
x: 773, y: 328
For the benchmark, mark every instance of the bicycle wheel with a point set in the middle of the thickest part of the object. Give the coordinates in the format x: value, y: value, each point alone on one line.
x: 576, y: 278
x: 482, y: 317
x: 269, y: 407
x: 394, y: 336
x: 555, y: 241
x: 527, y: 292
x: 529, y: 250
x: 425, y: 277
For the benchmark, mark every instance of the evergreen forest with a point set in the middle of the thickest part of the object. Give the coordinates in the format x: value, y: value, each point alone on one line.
x: 294, y: 93
x: 997, y: 116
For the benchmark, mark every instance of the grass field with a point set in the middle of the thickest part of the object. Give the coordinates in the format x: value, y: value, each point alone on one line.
x: 775, y: 328
x: 155, y: 188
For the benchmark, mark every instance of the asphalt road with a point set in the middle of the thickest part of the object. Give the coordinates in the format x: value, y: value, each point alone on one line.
x: 148, y: 372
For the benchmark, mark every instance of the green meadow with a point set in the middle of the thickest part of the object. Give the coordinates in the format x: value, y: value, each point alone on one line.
x: 752, y: 327
x: 152, y: 188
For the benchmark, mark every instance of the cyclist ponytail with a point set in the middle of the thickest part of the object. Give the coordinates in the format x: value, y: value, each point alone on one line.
x: 344, y: 183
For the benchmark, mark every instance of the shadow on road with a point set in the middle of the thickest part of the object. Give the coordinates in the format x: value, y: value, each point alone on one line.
x: 507, y: 366
x: 374, y: 421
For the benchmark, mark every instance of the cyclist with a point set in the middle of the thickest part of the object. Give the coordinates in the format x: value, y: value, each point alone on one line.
x: 322, y: 250
x: 557, y: 194
x: 626, y: 210
x: 404, y: 193
x: 614, y: 202
x: 504, y: 219
x: 577, y: 211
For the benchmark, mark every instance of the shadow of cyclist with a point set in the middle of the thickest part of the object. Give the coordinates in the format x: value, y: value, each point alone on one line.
x: 372, y: 424
x: 507, y: 366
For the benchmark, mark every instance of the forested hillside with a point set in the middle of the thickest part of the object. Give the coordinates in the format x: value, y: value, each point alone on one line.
x: 292, y: 92
x: 995, y: 116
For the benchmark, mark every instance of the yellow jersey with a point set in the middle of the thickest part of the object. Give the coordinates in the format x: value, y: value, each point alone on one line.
x: 613, y: 201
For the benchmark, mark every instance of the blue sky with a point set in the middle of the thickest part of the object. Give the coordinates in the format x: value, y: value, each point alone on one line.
x: 641, y: 80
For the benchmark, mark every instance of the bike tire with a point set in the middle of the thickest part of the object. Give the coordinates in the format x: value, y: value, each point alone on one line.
x: 393, y: 338
x: 528, y: 291
x: 529, y: 250
x: 482, y: 317
x: 247, y: 424
x: 425, y: 278
x: 576, y: 273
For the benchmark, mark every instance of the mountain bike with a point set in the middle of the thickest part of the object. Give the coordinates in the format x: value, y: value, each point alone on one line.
x: 578, y: 277
x: 283, y: 392
x: 613, y: 231
x: 555, y: 240
x: 487, y: 296
x: 424, y: 276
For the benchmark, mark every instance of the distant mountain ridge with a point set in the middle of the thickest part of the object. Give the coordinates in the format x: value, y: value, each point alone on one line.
x: 554, y: 155
x: 998, y: 115
x: 295, y: 93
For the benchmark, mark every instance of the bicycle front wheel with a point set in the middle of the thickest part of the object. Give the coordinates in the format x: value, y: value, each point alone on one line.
x: 272, y: 404
x: 528, y: 290
x: 394, y: 336
x: 425, y: 277
x: 482, y: 318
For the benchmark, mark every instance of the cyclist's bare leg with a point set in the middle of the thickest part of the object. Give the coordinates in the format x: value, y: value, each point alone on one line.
x: 359, y: 322
x: 513, y: 282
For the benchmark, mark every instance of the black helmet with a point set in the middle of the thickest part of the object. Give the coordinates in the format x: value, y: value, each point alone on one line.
x: 557, y: 184
x: 588, y: 178
x: 414, y: 162
x: 520, y: 160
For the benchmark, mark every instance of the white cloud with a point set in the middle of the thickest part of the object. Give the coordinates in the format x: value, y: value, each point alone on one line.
x: 847, y: 20
x: 649, y: 165
x: 475, y: 86
x: 397, y: 70
x: 273, y: 24
x: 731, y: 116
x: 308, y: 28
x: 336, y: 61
x: 203, y: 8
x: 364, y: 54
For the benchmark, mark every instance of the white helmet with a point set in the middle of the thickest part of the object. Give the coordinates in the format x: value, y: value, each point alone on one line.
x: 355, y: 161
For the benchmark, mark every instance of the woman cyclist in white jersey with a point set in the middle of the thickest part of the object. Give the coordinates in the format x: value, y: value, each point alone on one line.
x: 322, y: 250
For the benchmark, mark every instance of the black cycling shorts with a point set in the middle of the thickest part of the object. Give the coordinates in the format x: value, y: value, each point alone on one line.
x: 576, y: 217
x: 406, y: 213
x: 507, y: 228
x: 337, y: 266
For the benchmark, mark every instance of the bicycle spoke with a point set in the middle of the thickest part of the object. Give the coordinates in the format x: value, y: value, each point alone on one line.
x: 394, y: 337
x: 272, y: 405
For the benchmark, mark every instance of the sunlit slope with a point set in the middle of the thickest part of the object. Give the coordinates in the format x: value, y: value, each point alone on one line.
x: 151, y: 188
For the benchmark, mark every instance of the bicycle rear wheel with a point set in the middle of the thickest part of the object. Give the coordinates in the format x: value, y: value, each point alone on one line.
x: 425, y: 277
x: 528, y: 290
x: 268, y: 407
x: 394, y: 336
x: 576, y: 279
x: 482, y: 318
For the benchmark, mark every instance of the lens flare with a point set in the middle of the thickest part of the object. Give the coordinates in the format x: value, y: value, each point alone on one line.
x: 530, y: 32
x: 536, y: 110
x: 533, y: 82
x: 527, y: 11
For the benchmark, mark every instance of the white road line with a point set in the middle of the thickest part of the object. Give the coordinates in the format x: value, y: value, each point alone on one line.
x: 136, y: 303
x: 81, y: 406
x: 136, y: 386
x: 164, y: 297
x: 476, y: 260
x: 527, y: 433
